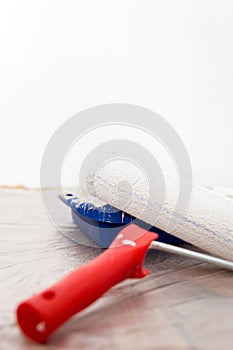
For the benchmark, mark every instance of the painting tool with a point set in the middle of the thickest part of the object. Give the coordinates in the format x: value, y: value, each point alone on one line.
x: 40, y: 315
x: 101, y: 224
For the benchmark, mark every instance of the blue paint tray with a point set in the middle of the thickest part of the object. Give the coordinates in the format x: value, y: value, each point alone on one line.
x: 102, y: 224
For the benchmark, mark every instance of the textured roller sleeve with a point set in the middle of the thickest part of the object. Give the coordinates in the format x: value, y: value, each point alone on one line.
x: 206, y: 223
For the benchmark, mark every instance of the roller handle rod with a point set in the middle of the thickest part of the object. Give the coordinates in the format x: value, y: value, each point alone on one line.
x: 225, y: 264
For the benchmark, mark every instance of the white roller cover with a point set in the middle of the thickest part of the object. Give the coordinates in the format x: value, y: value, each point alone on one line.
x: 206, y: 223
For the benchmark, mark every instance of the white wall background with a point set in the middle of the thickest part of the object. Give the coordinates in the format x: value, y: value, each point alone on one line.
x: 59, y: 57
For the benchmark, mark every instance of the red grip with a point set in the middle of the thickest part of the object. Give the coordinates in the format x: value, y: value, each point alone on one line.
x: 40, y: 315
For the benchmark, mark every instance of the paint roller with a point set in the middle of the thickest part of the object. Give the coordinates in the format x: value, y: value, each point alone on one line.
x: 206, y: 223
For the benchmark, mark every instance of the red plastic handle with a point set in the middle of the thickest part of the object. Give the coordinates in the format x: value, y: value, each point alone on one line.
x: 42, y: 314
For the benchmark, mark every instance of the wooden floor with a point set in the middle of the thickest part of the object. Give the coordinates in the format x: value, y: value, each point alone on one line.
x: 182, y: 305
